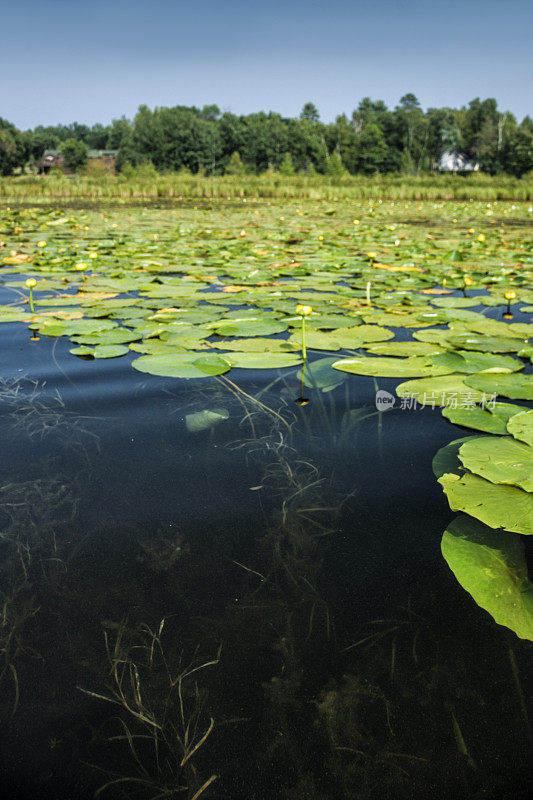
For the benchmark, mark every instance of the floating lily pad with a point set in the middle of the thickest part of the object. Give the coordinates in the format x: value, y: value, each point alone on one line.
x: 404, y: 349
x: 521, y: 426
x: 486, y: 344
x: 491, y: 566
x: 492, y: 419
x: 447, y: 458
x: 496, y: 505
x: 390, y: 367
x: 517, y: 387
x: 249, y: 327
x: 182, y: 365
x: 445, y: 390
x: 353, y: 338
x: 258, y: 345
x: 262, y: 360
x: 500, y: 460
x: 465, y: 361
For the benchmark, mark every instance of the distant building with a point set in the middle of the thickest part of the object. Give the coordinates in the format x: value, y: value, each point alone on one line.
x: 53, y: 158
x: 455, y: 162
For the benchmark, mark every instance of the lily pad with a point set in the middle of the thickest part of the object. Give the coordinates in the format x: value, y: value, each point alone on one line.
x: 248, y: 327
x: 492, y: 419
x: 496, y: 505
x: 486, y: 344
x: 447, y: 458
x: 517, y: 387
x: 500, y: 460
x: 491, y: 566
x: 182, y: 365
x: 390, y: 367
x: 445, y: 390
x: 521, y: 426
x: 262, y: 360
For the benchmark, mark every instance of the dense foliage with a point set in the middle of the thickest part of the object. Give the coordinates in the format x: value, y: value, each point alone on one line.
x: 373, y: 139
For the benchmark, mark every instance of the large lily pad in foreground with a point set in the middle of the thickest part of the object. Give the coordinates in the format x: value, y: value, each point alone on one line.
x: 491, y: 566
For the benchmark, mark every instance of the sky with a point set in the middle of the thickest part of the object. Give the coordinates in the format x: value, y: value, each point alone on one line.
x: 65, y: 61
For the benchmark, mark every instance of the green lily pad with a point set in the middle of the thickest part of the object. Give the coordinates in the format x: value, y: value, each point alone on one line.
x: 500, y: 460
x: 466, y: 361
x: 248, y: 327
x: 486, y: 344
x: 257, y: 345
x: 115, y: 336
x: 315, y: 340
x: 447, y: 458
x: 353, y: 338
x: 496, y: 505
x: 521, y: 426
x: 404, y: 349
x: 110, y: 350
x: 445, y: 390
x: 492, y: 419
x: 491, y: 566
x: 390, y: 367
x: 262, y: 360
x: 182, y: 365
x: 517, y: 387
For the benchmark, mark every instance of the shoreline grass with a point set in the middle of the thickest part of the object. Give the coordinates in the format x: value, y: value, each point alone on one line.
x: 183, y: 186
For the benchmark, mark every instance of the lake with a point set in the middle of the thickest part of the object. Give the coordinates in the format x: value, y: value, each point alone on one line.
x: 221, y: 577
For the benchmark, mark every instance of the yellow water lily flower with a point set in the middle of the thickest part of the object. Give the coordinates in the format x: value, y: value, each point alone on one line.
x: 30, y: 283
x: 481, y: 238
x: 93, y: 255
x: 304, y: 311
x: 80, y: 266
x: 510, y: 294
x: 42, y: 243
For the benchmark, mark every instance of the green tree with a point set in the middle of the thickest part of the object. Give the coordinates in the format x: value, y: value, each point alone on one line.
x: 370, y: 149
x: 12, y: 148
x: 286, y: 167
x: 310, y: 113
x: 74, y: 154
x: 335, y: 167
x: 235, y: 165
x: 413, y: 134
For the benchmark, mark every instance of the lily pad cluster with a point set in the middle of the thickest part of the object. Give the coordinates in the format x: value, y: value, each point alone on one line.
x: 490, y: 480
x: 435, y: 295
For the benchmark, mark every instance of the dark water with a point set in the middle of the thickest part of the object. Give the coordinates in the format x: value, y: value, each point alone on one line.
x: 258, y: 610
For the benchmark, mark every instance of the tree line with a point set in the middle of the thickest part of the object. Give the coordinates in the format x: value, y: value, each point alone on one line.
x: 373, y: 139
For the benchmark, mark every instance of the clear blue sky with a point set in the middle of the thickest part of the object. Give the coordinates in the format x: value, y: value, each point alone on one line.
x: 63, y: 60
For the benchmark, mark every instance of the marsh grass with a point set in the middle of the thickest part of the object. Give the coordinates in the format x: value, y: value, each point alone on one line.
x: 183, y: 186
